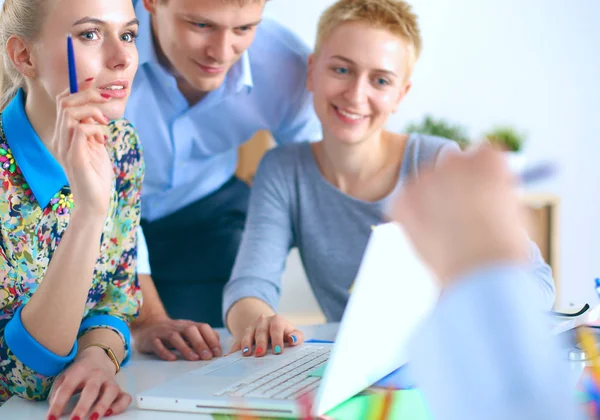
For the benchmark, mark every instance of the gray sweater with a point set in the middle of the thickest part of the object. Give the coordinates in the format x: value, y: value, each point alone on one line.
x: 292, y: 205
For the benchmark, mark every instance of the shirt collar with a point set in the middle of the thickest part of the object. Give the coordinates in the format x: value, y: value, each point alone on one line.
x: 240, y: 74
x: 42, y: 172
x: 238, y: 77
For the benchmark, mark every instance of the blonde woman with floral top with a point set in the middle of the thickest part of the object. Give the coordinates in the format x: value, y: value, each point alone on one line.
x: 71, y: 172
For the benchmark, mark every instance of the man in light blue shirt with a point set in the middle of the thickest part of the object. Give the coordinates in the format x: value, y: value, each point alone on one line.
x: 486, y: 351
x: 211, y: 74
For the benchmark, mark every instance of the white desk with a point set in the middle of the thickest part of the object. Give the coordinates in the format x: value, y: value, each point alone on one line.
x: 144, y: 372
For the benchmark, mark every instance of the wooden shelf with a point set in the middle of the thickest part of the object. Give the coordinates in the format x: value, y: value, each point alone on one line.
x: 250, y: 154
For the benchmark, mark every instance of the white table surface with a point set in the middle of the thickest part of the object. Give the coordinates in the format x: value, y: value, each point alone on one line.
x: 144, y: 372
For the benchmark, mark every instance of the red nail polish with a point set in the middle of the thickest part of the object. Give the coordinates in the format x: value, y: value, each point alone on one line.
x: 51, y: 417
x: 94, y: 416
x: 259, y: 350
x: 75, y: 418
x: 108, y: 413
x: 105, y: 95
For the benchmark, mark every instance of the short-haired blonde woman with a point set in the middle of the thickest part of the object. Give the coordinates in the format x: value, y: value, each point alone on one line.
x: 324, y: 197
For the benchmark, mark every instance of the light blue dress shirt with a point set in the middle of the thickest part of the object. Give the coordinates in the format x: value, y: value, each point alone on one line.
x: 487, y: 353
x: 191, y: 152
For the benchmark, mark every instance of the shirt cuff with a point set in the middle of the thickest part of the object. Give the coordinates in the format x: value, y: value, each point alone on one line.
x: 112, y: 323
x: 31, y: 353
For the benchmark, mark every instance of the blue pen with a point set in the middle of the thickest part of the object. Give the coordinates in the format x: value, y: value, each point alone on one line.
x: 72, y: 71
x: 314, y: 341
x: 537, y: 172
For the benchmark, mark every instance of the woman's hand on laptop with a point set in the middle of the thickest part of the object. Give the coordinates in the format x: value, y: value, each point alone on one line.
x: 193, y: 340
x: 267, y: 331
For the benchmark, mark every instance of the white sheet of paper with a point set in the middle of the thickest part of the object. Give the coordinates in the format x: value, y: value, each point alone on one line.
x: 393, y: 293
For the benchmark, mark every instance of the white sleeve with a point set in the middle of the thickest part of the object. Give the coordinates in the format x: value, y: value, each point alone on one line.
x: 143, y: 260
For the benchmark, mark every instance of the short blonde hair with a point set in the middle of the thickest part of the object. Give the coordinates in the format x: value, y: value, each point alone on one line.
x: 395, y: 16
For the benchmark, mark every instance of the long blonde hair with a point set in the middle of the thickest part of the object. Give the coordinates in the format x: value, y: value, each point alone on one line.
x: 22, y: 18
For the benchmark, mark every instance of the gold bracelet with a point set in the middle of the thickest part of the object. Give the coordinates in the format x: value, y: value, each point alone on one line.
x: 109, y: 353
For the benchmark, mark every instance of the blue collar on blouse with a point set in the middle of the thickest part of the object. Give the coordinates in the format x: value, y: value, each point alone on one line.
x: 43, y: 173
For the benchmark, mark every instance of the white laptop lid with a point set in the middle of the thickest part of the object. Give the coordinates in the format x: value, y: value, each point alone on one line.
x: 393, y: 292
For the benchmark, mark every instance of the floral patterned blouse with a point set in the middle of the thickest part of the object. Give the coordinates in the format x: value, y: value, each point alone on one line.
x: 35, y: 206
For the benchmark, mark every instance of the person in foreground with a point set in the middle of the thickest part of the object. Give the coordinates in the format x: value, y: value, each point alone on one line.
x: 323, y: 197
x: 69, y: 207
x: 486, y: 351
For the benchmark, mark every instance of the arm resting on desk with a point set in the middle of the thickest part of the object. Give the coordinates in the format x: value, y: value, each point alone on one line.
x: 266, y: 242
x: 38, y: 339
x: 27, y: 369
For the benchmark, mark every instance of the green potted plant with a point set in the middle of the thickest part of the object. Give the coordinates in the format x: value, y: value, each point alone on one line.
x: 511, y: 142
x: 441, y: 128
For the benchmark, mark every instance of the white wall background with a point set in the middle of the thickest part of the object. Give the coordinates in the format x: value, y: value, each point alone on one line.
x: 531, y: 63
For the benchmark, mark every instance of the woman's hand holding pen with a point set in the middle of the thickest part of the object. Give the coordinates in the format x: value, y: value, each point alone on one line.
x: 274, y: 331
x: 79, y: 145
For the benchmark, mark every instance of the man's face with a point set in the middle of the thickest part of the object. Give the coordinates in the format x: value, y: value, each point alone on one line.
x: 201, y: 40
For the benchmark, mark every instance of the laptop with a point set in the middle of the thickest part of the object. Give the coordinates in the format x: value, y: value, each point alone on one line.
x: 392, y: 294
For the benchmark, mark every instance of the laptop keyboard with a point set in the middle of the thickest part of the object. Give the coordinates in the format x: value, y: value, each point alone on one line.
x: 286, y: 380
